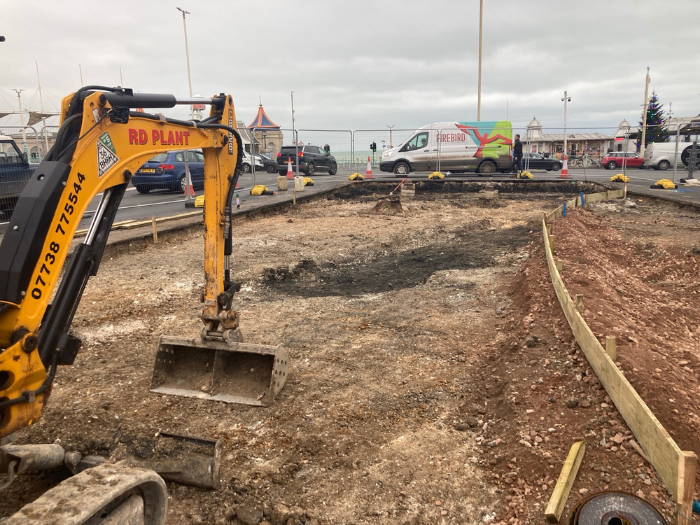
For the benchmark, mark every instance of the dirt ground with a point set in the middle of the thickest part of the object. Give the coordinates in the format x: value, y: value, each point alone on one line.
x: 433, y: 377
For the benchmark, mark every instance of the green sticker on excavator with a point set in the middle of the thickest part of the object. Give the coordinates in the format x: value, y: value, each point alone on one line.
x: 107, y: 141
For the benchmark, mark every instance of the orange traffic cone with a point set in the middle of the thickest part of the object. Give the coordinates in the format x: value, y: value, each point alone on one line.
x: 189, y: 189
x: 565, y: 169
x: 368, y: 173
x: 238, y: 187
x: 290, y: 172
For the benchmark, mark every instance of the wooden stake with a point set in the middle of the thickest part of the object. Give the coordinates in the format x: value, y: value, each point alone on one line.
x: 579, y: 303
x: 294, y: 196
x: 559, y: 265
x: 624, y: 193
x: 610, y: 346
x: 565, y: 482
x: 155, y: 230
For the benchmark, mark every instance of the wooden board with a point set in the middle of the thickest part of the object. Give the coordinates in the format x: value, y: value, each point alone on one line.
x: 128, y: 225
x: 565, y: 482
x: 673, y: 465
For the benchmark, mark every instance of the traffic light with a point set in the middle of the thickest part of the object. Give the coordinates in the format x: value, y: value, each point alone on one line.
x: 373, y: 146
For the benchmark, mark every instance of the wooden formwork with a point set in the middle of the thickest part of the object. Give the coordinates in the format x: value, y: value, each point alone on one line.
x: 675, y: 467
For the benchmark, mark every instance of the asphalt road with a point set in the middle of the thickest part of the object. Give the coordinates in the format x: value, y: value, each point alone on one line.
x: 160, y: 203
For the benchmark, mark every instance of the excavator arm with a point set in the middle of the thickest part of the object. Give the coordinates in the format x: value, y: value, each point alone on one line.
x: 100, y: 143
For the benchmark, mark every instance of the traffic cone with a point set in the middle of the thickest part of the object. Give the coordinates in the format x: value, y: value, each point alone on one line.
x: 290, y: 171
x: 189, y: 189
x: 368, y: 173
x: 565, y: 169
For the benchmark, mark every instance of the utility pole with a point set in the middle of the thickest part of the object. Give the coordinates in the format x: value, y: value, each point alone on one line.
x: 478, y: 102
x: 80, y: 68
x: 644, y: 118
x: 391, y: 143
x: 121, y: 78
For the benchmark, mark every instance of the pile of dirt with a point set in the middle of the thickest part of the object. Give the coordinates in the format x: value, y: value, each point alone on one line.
x: 433, y: 377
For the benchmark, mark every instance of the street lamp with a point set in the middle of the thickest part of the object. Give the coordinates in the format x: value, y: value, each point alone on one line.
x: 391, y: 144
x: 187, y: 54
x: 295, y: 137
x: 565, y: 167
x: 21, y: 119
x: 189, y: 200
x: 478, y: 104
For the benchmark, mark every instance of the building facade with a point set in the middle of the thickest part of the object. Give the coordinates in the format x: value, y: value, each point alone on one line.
x: 268, y: 134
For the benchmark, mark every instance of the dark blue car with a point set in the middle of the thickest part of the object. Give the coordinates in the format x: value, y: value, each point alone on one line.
x: 167, y: 171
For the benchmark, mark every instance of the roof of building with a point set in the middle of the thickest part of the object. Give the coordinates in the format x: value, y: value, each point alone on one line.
x: 262, y: 121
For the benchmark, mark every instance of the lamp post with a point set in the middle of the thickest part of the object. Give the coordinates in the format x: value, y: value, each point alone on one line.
x: 21, y: 119
x: 391, y: 143
x: 295, y: 137
x: 187, y: 53
x: 478, y: 103
x: 644, y: 118
x: 189, y: 200
x: 565, y: 167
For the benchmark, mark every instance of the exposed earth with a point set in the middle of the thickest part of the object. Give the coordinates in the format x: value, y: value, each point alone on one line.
x: 433, y: 378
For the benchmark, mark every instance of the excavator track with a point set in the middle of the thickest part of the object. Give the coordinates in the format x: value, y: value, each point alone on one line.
x: 108, y: 494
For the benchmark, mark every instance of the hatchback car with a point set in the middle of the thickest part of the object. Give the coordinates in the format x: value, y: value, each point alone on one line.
x: 248, y: 161
x: 615, y: 159
x: 167, y: 171
x: 269, y: 165
x: 311, y: 158
x: 535, y: 161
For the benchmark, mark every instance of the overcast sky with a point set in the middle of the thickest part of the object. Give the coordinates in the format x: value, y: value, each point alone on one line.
x: 363, y: 64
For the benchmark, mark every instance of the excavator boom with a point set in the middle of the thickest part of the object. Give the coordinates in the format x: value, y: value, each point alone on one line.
x: 101, y: 142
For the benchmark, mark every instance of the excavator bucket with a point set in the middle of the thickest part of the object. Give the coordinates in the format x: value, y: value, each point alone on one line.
x: 244, y: 373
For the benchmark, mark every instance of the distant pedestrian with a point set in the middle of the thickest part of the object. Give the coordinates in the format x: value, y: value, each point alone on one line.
x: 518, y: 153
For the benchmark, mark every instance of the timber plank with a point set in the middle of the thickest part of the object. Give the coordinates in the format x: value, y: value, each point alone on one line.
x: 565, y: 482
x: 676, y: 468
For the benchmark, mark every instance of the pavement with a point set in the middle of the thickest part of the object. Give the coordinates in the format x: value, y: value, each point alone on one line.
x: 179, y: 217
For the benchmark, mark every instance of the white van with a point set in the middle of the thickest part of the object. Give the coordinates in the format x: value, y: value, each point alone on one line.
x: 660, y: 155
x: 484, y: 147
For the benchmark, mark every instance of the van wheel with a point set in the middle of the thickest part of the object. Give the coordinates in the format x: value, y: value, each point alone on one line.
x: 487, y: 168
x: 402, y: 168
x: 245, y: 168
x: 664, y: 165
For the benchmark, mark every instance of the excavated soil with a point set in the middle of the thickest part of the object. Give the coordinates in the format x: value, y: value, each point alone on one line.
x: 433, y: 377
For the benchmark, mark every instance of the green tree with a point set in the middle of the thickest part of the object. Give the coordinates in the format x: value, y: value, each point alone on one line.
x: 656, y: 122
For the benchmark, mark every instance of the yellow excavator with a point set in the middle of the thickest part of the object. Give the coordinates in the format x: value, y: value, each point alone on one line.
x: 102, y: 140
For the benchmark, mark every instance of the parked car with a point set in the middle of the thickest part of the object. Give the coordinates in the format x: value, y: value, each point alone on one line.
x: 269, y: 165
x: 535, y: 161
x: 248, y: 161
x: 15, y: 172
x: 614, y: 159
x: 660, y: 155
x: 167, y: 171
x: 311, y: 158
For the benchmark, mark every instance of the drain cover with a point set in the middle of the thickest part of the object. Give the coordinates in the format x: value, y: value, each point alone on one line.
x: 614, y: 508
